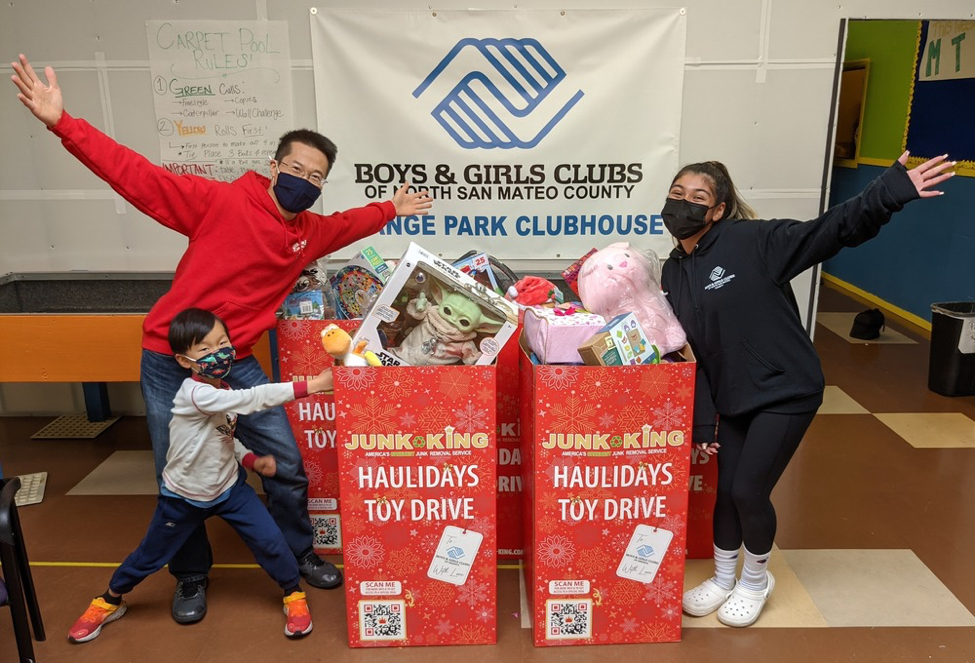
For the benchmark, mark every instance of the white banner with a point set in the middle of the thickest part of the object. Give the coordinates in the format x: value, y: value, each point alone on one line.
x: 540, y: 134
x: 222, y: 92
x: 949, y: 51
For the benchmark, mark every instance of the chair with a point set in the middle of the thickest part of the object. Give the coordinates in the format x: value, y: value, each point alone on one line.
x: 16, y: 573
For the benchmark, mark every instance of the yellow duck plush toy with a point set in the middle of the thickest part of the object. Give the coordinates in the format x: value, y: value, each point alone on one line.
x: 338, y: 343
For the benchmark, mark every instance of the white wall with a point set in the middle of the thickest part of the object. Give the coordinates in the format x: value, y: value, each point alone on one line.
x: 759, y: 77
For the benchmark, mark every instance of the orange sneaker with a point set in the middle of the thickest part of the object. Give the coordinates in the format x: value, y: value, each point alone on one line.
x: 299, y: 619
x: 89, y: 625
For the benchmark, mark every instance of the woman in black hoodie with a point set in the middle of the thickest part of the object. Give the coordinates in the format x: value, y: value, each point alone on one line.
x: 728, y: 281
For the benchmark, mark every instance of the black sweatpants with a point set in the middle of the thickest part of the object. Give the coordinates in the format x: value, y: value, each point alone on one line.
x: 755, y: 450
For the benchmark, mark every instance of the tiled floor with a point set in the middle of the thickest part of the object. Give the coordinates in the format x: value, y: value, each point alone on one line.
x: 873, y: 559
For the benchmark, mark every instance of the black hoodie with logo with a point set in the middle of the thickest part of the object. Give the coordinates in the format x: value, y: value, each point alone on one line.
x: 732, y: 296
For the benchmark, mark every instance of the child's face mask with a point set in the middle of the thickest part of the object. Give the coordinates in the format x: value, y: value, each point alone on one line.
x: 217, y: 364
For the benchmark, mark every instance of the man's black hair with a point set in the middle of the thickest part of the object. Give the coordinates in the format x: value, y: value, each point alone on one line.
x: 191, y: 326
x: 311, y: 139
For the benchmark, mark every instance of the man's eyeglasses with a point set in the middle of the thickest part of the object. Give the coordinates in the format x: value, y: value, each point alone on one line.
x: 293, y: 169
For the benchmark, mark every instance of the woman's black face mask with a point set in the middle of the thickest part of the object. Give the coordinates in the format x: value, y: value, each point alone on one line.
x: 683, y: 218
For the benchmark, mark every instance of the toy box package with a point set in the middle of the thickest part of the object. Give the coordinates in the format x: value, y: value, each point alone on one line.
x: 624, y: 335
x: 430, y: 313
x: 357, y: 285
x: 555, y: 338
x: 478, y: 267
x: 311, y: 297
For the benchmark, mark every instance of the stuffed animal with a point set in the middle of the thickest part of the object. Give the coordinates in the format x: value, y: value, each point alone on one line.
x: 446, y: 331
x: 338, y: 343
x: 621, y: 279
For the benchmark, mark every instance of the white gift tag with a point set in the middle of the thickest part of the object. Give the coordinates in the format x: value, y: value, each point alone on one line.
x: 454, y: 556
x: 643, y: 554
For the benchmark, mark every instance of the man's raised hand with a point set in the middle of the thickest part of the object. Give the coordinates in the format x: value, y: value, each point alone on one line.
x: 411, y: 204
x: 43, y: 99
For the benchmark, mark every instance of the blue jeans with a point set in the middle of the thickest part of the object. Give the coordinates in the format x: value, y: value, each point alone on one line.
x: 175, y: 520
x: 264, y: 433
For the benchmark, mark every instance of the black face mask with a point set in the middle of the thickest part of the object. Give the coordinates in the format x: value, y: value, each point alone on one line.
x: 294, y: 193
x: 683, y: 218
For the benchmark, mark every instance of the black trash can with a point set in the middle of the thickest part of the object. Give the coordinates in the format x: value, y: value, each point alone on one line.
x: 951, y: 371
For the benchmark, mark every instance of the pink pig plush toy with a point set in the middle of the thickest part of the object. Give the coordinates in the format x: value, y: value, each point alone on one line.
x: 621, y: 279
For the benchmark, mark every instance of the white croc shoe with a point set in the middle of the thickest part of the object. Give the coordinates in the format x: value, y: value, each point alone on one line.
x: 745, y: 605
x: 705, y: 598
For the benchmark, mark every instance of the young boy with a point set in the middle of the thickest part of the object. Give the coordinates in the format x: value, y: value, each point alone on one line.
x: 203, y: 475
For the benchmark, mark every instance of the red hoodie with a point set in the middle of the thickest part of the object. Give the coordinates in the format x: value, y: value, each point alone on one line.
x: 243, y: 257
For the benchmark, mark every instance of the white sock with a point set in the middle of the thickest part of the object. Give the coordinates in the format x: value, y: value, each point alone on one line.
x: 754, y: 573
x: 725, y: 565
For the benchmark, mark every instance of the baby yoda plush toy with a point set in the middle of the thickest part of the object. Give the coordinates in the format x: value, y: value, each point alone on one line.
x: 446, y: 331
x: 338, y: 343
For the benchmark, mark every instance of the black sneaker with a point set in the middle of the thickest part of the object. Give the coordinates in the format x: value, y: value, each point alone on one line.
x: 319, y: 573
x: 190, y: 601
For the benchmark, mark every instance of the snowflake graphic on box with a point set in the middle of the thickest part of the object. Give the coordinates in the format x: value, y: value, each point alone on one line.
x: 472, y: 634
x: 359, y: 378
x: 558, y: 377
x: 606, y: 420
x: 365, y: 551
x: 470, y: 419
x: 472, y: 593
x: 438, y: 594
x: 573, y: 414
x: 402, y: 562
x: 556, y: 551
x: 444, y: 627
x: 655, y: 382
x: 675, y: 523
x: 396, y: 385
x: 307, y: 359
x: 314, y: 473
x: 669, y: 416
x: 293, y: 330
x: 591, y: 561
x: 660, y: 590
x: 374, y: 415
x: 455, y: 384
x: 433, y: 417
x: 598, y: 382
x: 627, y: 592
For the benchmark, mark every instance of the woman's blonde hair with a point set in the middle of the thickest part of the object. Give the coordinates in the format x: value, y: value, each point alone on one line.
x: 724, y: 189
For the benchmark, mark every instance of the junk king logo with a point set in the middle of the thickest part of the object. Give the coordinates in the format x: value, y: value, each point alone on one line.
x: 449, y: 439
x: 502, y: 93
x: 645, y: 439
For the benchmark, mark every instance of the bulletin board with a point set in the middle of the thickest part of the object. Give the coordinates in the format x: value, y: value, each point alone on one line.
x: 943, y: 94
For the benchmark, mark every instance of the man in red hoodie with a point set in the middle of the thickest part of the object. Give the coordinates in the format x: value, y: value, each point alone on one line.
x: 248, y: 242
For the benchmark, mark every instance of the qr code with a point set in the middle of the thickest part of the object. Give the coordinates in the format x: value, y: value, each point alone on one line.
x: 382, y: 620
x: 327, y: 529
x: 568, y: 620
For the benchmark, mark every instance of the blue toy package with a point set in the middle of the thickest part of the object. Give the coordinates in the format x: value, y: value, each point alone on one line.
x: 308, y: 305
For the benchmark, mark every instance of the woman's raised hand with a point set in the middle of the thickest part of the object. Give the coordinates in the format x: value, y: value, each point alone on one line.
x: 929, y: 174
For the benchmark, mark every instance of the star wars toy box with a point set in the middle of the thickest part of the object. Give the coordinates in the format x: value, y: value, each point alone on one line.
x: 417, y: 470
x: 312, y: 419
x: 430, y: 313
x: 605, y: 465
